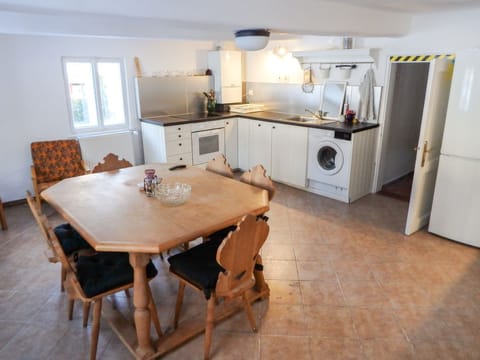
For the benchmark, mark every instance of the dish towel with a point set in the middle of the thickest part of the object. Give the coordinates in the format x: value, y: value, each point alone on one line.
x: 367, y: 103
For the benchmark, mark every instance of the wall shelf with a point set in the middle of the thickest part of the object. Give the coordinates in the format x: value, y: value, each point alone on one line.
x: 337, y: 57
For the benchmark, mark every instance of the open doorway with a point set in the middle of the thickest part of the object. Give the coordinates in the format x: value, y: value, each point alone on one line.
x: 406, y: 96
x: 415, y: 118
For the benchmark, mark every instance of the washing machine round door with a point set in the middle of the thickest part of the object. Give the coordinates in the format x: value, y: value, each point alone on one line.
x: 329, y: 158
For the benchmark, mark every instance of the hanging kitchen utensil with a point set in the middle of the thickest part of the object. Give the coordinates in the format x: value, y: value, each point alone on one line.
x: 308, y: 84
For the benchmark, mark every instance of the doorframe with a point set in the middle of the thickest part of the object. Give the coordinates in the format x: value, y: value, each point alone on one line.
x: 386, y: 107
x: 384, y: 127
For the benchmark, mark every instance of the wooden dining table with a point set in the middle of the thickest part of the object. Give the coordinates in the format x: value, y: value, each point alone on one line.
x: 112, y: 213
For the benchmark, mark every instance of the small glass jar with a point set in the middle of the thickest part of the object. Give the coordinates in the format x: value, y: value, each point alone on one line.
x: 150, y: 182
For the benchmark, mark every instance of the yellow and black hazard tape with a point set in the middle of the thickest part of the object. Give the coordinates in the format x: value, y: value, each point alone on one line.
x: 420, y: 58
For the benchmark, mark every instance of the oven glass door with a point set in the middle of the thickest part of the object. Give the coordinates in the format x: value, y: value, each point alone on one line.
x: 207, y: 144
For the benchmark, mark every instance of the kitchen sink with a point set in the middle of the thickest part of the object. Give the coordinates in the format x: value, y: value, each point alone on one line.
x: 307, y: 119
x: 302, y: 118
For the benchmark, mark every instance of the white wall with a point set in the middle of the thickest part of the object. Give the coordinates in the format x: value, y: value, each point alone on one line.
x: 33, y: 103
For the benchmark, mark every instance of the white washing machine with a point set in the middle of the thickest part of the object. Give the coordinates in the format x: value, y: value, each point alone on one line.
x: 329, y: 163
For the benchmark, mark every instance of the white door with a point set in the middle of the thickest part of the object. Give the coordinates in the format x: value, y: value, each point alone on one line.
x: 429, y: 142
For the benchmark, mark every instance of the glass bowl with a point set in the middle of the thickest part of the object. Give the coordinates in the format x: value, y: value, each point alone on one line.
x: 173, y: 194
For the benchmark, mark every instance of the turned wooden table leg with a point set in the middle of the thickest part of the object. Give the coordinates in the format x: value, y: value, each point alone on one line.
x: 3, y: 219
x: 260, y: 284
x: 141, y: 301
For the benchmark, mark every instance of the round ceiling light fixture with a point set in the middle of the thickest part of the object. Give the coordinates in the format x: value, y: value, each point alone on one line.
x: 252, y: 39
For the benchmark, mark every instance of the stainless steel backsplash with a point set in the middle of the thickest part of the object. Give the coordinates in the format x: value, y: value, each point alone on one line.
x: 287, y: 98
x: 290, y: 98
x: 157, y: 96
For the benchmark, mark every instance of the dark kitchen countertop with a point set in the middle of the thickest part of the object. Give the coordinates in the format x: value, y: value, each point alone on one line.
x: 270, y: 116
x: 171, y: 120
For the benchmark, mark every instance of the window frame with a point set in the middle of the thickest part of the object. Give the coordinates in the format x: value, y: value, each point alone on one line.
x: 100, y: 127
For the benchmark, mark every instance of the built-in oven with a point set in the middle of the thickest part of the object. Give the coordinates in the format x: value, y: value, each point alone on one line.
x: 208, y: 139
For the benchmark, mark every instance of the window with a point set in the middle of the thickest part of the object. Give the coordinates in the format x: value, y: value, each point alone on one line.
x: 96, y: 93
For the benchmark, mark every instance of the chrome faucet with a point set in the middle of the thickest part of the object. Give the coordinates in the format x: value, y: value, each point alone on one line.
x: 318, y: 116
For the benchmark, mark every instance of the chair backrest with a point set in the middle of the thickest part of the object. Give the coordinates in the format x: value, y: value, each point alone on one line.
x: 71, y: 282
x: 111, y: 162
x: 57, y: 159
x: 237, y: 255
x: 57, y: 247
x: 257, y: 176
x: 220, y: 166
x: 42, y: 223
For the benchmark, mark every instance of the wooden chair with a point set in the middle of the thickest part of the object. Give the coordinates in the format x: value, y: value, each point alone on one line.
x: 54, y: 161
x: 111, y: 162
x: 95, y: 277
x: 3, y: 219
x: 72, y: 243
x: 220, y: 166
x: 221, y: 268
x: 257, y: 176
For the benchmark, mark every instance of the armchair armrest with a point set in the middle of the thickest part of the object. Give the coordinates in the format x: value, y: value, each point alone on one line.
x: 35, y: 186
x: 33, y: 173
x: 85, y: 167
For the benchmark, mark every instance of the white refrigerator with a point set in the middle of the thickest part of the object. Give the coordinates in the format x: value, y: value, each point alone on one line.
x: 456, y: 203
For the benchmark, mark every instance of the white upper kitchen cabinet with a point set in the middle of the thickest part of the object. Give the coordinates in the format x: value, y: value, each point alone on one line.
x: 289, y: 154
x: 231, y: 142
x: 226, y: 66
x: 260, y: 144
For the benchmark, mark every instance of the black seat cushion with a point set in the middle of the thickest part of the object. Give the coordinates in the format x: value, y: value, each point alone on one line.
x: 105, y: 271
x: 70, y: 239
x: 222, y: 234
x: 198, y: 265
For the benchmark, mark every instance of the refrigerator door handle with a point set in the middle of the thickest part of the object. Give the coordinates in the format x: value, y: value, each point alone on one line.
x: 424, y: 154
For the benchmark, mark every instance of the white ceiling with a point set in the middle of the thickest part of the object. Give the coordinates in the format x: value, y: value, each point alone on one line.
x: 217, y: 19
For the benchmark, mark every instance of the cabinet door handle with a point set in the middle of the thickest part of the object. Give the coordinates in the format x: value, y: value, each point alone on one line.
x: 273, y: 127
x: 179, y: 144
x: 179, y: 129
x: 181, y: 159
x: 179, y: 135
x: 259, y: 125
x: 227, y: 123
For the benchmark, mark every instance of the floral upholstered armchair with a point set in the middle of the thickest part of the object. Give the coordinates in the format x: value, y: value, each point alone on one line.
x: 54, y: 161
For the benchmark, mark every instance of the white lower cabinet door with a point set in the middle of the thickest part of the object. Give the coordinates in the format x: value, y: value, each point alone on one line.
x: 243, y: 126
x: 231, y: 142
x: 289, y: 154
x: 260, y: 144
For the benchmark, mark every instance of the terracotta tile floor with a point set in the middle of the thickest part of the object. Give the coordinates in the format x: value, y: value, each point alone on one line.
x: 345, y: 284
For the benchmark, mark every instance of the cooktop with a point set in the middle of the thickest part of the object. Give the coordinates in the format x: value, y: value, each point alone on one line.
x: 197, y: 116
